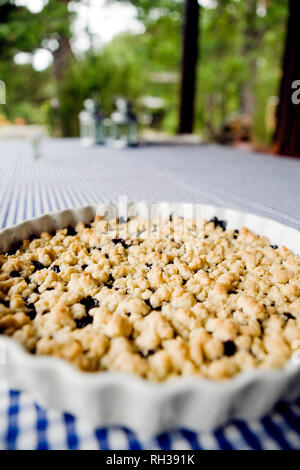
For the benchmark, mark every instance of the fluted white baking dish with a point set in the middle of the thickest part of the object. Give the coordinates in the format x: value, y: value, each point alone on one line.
x: 106, y: 398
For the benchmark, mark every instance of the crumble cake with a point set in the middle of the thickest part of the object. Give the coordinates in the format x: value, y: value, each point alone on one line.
x: 160, y: 300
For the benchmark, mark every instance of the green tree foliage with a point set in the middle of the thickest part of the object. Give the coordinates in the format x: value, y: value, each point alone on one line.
x: 239, y: 49
x: 24, y: 31
x: 241, y: 45
x: 117, y: 70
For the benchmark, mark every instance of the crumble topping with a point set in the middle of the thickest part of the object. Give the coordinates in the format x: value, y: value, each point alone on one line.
x: 153, y: 299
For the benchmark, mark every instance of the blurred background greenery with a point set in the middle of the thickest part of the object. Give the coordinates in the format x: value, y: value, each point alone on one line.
x: 54, y: 54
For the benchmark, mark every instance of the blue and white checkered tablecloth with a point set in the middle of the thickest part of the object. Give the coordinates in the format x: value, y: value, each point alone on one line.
x: 69, y: 176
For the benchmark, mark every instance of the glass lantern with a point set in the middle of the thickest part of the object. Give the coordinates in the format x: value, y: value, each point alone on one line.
x: 91, y: 122
x: 35, y: 141
x: 124, y: 125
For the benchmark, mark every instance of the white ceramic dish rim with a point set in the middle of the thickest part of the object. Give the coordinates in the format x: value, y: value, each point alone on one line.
x: 98, y: 379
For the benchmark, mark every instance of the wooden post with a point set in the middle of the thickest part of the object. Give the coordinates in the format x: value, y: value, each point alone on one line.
x: 188, y: 67
x: 287, y: 134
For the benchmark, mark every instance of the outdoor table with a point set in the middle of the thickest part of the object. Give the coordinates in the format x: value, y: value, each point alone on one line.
x: 70, y: 175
